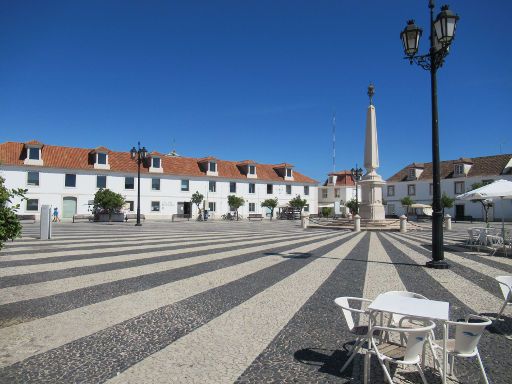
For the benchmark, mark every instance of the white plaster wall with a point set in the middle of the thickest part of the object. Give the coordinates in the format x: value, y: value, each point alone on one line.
x: 448, y: 186
x: 51, y: 190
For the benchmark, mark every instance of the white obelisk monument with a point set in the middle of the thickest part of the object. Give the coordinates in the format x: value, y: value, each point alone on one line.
x: 371, y: 183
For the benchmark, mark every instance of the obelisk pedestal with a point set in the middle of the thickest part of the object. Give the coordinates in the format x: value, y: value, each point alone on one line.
x: 371, y: 184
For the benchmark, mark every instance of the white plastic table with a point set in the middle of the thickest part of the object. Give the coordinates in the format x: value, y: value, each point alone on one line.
x: 408, y: 306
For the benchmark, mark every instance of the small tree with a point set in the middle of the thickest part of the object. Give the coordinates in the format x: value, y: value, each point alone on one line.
x: 407, y: 202
x: 486, y: 203
x: 446, y: 202
x: 352, y: 206
x: 235, y: 202
x: 10, y: 227
x: 270, y: 204
x: 107, y: 201
x: 326, y: 211
x: 298, y: 203
x: 197, y: 199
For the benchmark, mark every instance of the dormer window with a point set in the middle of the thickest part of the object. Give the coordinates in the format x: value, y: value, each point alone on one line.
x: 208, y: 165
x: 155, y: 162
x: 252, y: 170
x: 459, y: 169
x: 33, y: 153
x: 212, y: 166
x: 331, y: 180
x: 288, y: 172
x: 412, y: 173
x: 101, y: 158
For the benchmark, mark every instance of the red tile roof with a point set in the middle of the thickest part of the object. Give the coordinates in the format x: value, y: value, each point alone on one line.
x: 481, y: 166
x: 35, y: 143
x: 12, y: 153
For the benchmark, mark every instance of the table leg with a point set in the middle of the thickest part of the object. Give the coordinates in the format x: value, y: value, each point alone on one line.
x: 445, y: 357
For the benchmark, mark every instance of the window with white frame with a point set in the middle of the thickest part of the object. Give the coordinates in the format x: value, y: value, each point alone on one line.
x: 101, y: 181
x: 324, y: 193
x: 459, y: 187
x: 155, y: 184
x: 32, y: 204
x: 156, y: 162
x: 330, y: 179
x: 270, y: 189
x: 252, y: 169
x: 412, y: 173
x: 306, y: 190
x: 34, y: 153
x: 212, y: 186
x: 288, y: 172
x: 252, y: 207
x: 33, y: 178
x: 185, y: 185
x: 70, y: 180
x: 337, y: 192
x: 129, y: 182
x: 411, y: 189
x: 252, y: 188
x: 212, y: 166
x: 155, y: 206
x: 459, y: 169
x: 212, y: 206
x: 288, y: 189
x: 232, y: 187
x: 391, y: 190
x: 101, y: 158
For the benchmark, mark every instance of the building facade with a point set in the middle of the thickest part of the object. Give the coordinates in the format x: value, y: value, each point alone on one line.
x: 336, y: 191
x: 457, y: 177
x: 68, y: 178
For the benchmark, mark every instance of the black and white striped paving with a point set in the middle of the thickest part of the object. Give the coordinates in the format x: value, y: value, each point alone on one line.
x: 222, y: 302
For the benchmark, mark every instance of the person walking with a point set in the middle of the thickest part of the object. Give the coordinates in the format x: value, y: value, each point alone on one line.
x: 56, y: 217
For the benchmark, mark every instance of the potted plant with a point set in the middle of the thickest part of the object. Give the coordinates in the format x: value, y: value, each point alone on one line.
x: 108, y: 205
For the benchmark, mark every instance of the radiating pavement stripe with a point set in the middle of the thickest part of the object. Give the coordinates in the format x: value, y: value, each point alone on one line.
x: 22, y: 270
x: 220, y: 351
x: 26, y: 339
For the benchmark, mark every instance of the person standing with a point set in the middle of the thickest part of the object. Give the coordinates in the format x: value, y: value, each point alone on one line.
x: 56, y: 217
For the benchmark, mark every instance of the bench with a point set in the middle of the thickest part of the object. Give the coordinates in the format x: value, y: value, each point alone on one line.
x: 83, y: 217
x: 255, y: 216
x: 133, y: 216
x: 180, y: 216
x: 463, y: 218
x: 26, y: 217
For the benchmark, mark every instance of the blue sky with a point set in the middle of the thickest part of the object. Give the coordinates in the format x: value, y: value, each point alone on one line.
x: 251, y: 79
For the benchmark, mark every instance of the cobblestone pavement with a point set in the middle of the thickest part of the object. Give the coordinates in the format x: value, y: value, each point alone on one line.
x: 224, y: 302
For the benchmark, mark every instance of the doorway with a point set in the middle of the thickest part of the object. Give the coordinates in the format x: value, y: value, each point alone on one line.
x: 69, y: 207
x: 184, y: 208
x: 459, y: 211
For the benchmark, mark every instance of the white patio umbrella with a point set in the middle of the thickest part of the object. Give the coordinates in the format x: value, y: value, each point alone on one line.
x: 500, y: 189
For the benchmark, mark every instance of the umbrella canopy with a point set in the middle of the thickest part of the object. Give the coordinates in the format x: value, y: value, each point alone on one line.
x: 417, y: 205
x: 498, y: 189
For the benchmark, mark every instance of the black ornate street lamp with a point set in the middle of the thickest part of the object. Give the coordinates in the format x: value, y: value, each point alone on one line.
x: 357, y: 173
x: 442, y: 33
x: 139, y: 154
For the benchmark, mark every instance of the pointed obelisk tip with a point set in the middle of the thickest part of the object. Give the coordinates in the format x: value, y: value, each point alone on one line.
x: 371, y: 92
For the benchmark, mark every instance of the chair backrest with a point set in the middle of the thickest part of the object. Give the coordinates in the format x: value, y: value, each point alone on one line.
x: 505, y: 285
x: 415, y: 340
x: 396, y: 317
x: 467, y: 335
x: 343, y: 303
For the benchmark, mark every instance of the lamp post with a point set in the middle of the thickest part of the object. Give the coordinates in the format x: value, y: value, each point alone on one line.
x: 356, y: 175
x: 139, y: 154
x: 442, y: 33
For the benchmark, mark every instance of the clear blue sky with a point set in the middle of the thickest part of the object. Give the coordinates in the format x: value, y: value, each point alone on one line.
x: 251, y: 79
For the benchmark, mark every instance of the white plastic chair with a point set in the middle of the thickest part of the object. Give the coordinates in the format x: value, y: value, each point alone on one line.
x: 494, y: 242
x: 360, y: 331
x: 474, y: 237
x: 408, y: 354
x: 506, y: 288
x: 465, y: 344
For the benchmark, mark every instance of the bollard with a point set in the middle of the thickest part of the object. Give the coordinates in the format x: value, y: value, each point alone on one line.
x: 305, y: 221
x: 448, y: 222
x: 357, y: 223
x: 403, y: 223
x: 45, y: 223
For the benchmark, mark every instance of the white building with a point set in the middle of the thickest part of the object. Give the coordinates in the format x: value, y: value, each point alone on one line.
x: 457, y: 177
x: 336, y: 191
x: 68, y: 178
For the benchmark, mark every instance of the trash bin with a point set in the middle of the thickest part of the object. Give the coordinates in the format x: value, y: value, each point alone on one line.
x: 205, y: 214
